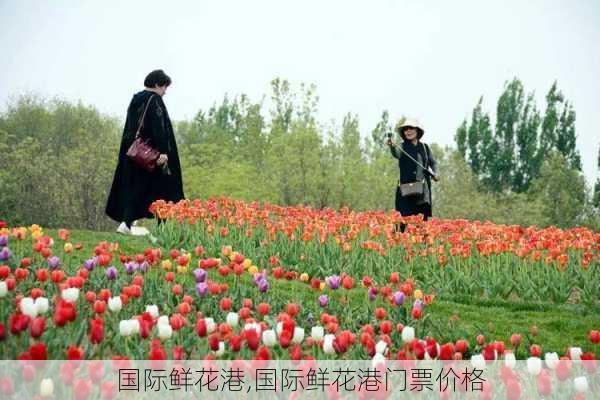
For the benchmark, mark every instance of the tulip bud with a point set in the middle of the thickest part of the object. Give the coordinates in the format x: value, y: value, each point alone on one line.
x: 41, y: 304
x: 165, y: 331
x: 317, y: 333
x: 298, y: 335
x: 163, y: 320
x: 534, y: 365
x: 232, y: 319
x: 211, y: 326
x: 408, y: 334
x: 3, y: 289
x: 328, y: 344
x: 575, y: 353
x: 115, y: 304
x: 70, y: 295
x: 269, y: 338
x: 46, y: 387
x: 27, y: 307
x: 551, y: 360
x: 381, y: 347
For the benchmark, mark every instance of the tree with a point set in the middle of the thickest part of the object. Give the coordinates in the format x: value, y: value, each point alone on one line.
x: 561, y: 191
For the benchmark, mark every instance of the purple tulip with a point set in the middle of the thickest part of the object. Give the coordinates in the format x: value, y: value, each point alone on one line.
x: 418, y: 304
x: 258, y: 277
x: 144, y: 266
x: 130, y: 267
x: 53, y: 262
x: 111, y: 273
x: 334, y: 281
x: 199, y: 275
x: 263, y: 286
x: 202, y: 288
x: 89, y: 264
x: 398, y: 298
x: 372, y: 294
x: 3, y: 241
x: 323, y: 300
x: 5, y: 254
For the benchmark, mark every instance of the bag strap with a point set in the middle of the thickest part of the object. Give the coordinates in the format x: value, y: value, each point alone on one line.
x: 409, y: 156
x: 141, y: 123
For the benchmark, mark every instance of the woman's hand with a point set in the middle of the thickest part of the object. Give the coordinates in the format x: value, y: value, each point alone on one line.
x: 389, y: 142
x: 436, y: 178
x: 162, y: 159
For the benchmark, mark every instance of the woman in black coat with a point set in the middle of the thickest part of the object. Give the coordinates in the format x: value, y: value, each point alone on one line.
x: 410, y: 172
x: 133, y: 188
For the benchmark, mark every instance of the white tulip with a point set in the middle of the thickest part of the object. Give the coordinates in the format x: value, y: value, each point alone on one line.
x: 28, y: 307
x: 3, y: 289
x: 279, y: 328
x: 41, y: 304
x: 575, y: 353
x: 477, y: 361
x: 125, y: 328
x: 163, y: 320
x: 70, y: 295
x: 232, y: 319
x: 46, y: 387
x: 298, y: 335
x: 135, y: 326
x: 381, y: 347
x: 221, y: 350
x: 317, y: 333
x: 408, y: 334
x: 581, y: 384
x: 551, y: 360
x: 115, y: 304
x: 510, y: 360
x: 534, y: 365
x: 269, y: 338
x: 152, y: 309
x: 378, y: 359
x: 165, y: 331
x: 328, y: 344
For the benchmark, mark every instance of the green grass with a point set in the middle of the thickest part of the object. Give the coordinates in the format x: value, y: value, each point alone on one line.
x: 559, y: 326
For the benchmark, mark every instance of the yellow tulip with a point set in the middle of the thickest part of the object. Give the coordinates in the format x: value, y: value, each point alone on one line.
x: 322, y: 286
x: 166, y: 265
x: 247, y: 263
x: 68, y: 247
x: 182, y: 269
x: 253, y: 269
x: 304, y: 277
x: 418, y: 294
x: 36, y: 234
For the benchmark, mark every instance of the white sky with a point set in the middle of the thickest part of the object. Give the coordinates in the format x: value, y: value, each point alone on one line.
x: 428, y: 59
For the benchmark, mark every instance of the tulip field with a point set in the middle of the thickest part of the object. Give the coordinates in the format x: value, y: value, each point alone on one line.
x: 227, y: 279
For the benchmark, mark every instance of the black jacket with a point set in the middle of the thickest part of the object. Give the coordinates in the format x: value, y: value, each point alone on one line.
x: 134, y: 189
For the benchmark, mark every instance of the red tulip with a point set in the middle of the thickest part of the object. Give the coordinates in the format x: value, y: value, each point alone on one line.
x: 38, y: 351
x: 96, y: 330
x: 535, y: 350
x: 38, y: 325
x: 82, y: 388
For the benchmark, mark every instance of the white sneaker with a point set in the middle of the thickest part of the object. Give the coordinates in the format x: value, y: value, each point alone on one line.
x: 123, y: 229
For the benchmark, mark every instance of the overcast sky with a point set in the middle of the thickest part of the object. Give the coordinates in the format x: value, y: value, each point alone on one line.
x: 427, y: 59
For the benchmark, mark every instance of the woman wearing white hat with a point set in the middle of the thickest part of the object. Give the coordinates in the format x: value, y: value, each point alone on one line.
x: 417, y: 168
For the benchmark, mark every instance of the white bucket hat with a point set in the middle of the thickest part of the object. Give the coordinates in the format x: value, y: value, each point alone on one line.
x: 410, y: 123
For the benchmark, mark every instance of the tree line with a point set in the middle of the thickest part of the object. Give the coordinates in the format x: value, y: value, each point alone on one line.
x: 60, y: 157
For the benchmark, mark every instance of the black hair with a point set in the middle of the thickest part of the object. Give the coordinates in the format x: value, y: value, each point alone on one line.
x: 157, y: 77
x: 420, y: 132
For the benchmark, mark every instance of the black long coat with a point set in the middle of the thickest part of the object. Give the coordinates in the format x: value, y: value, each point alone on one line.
x: 411, y: 172
x: 133, y: 188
